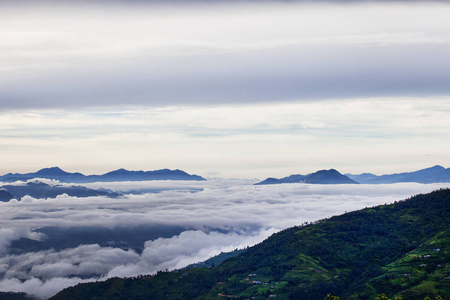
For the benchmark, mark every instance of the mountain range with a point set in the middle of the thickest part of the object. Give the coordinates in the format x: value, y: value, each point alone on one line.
x: 397, y: 249
x: 117, y: 175
x: 435, y: 174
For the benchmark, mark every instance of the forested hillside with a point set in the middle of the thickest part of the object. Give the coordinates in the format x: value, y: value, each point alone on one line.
x: 399, y: 249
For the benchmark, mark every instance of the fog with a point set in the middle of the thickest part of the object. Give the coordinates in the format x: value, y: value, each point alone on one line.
x: 223, y: 216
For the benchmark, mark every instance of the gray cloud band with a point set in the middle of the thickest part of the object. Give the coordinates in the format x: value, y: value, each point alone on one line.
x: 289, y: 73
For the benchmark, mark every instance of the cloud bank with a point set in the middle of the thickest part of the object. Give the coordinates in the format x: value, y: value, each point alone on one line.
x: 219, y: 218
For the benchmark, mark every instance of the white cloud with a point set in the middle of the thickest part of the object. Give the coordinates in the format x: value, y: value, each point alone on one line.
x: 215, y: 207
x: 7, y: 235
x: 38, y: 287
x: 187, y: 248
x: 45, y: 273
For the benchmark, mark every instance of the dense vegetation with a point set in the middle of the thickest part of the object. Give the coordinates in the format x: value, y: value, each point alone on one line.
x: 399, y: 249
x: 15, y: 296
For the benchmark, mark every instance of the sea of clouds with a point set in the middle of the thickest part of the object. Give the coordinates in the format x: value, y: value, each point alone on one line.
x: 222, y: 216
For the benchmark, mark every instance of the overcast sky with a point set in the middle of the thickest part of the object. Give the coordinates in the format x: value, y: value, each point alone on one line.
x: 238, y: 90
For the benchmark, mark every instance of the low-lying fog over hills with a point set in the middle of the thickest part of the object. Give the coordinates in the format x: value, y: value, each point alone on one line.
x: 364, y: 254
x: 51, y: 242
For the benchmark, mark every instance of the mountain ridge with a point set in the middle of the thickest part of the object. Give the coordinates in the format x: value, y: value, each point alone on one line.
x: 116, y: 175
x: 434, y: 174
x: 40, y: 190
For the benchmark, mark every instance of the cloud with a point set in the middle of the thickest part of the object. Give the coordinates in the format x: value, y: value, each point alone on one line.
x: 47, y: 181
x: 219, y: 218
x: 209, y: 87
x: 7, y: 235
x: 37, y: 287
x: 246, y: 141
x: 85, y: 260
x: 214, y: 207
x: 222, y: 54
x: 298, y: 72
x: 187, y: 248
x: 45, y: 273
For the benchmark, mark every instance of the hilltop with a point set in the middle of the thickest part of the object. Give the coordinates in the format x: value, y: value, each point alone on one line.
x: 402, y: 248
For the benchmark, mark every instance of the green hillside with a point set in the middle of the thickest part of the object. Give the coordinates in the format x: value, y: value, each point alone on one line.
x: 399, y: 249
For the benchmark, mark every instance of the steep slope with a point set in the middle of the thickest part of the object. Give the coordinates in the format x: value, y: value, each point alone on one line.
x: 5, y: 196
x: 386, y: 249
x: 320, y: 177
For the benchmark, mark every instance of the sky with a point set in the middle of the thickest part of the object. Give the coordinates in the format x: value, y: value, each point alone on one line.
x: 236, y: 90
x: 223, y: 217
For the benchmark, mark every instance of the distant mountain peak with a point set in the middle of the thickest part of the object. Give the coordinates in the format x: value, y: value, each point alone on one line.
x: 436, y: 167
x: 52, y: 170
x: 329, y: 171
x: 118, y: 171
x: 330, y: 176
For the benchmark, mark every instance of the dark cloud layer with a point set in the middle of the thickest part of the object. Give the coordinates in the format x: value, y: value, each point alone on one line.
x: 292, y: 73
x: 221, y: 54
